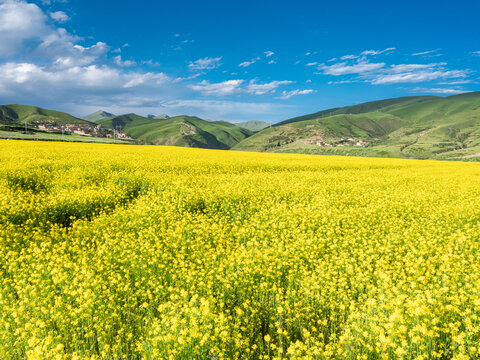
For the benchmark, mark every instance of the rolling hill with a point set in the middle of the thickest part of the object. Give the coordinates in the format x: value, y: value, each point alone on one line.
x: 181, y: 130
x: 21, y: 114
x: 98, y: 115
x: 412, y: 127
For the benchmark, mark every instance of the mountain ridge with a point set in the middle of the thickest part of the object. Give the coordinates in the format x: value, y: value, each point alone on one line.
x: 422, y: 127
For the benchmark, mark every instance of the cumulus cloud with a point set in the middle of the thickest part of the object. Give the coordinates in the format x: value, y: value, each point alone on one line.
x: 289, y: 94
x: 124, y: 63
x: 19, y: 22
x: 23, y: 77
x: 66, y: 54
x: 59, y: 16
x: 206, y: 63
x: 55, y: 68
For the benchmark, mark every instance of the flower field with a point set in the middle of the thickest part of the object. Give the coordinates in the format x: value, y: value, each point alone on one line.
x: 143, y: 252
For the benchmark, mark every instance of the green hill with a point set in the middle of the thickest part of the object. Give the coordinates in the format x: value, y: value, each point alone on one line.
x: 21, y: 114
x: 253, y: 125
x: 413, y: 127
x: 98, y: 115
x: 178, y: 131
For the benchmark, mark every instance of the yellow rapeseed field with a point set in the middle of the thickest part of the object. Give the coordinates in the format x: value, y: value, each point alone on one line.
x: 142, y: 252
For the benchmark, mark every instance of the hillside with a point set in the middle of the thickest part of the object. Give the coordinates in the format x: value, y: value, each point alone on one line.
x: 19, y: 114
x: 253, y: 125
x: 411, y: 127
x: 98, y: 115
x: 181, y: 130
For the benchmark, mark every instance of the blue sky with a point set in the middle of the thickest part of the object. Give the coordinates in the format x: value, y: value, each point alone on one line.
x: 233, y: 60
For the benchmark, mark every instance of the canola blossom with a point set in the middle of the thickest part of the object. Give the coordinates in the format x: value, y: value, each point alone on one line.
x: 143, y: 252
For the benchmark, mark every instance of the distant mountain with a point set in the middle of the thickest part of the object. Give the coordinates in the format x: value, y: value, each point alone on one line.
x: 253, y: 125
x: 158, y: 117
x: 181, y: 130
x: 20, y: 114
x: 98, y: 115
x: 413, y: 127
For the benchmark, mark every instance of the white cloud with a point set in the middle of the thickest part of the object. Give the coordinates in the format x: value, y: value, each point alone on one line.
x: 269, y: 53
x: 59, y: 16
x: 377, y: 52
x: 124, y: 63
x: 381, y: 74
x: 416, y: 76
x: 68, y: 55
x: 344, y: 68
x: 475, y: 53
x: 223, y: 88
x: 312, y: 64
x: 139, y: 79
x: 206, y: 63
x: 401, y: 68
x: 425, y: 52
x: 262, y: 89
x: 150, y: 62
x: 342, y: 82
x: 272, y: 62
x: 438, y: 91
x: 456, y: 82
x: 364, y: 54
x: 34, y: 77
x: 49, y: 2
x: 289, y: 94
x: 19, y: 22
x: 248, y: 63
x: 238, y: 86
x: 349, y: 57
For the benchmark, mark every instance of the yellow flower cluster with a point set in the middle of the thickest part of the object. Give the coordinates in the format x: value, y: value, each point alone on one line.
x: 142, y: 252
